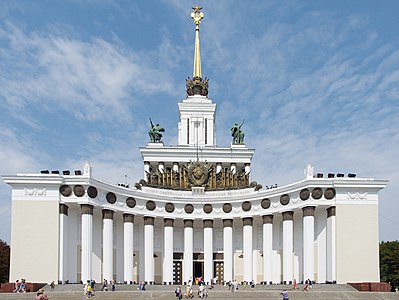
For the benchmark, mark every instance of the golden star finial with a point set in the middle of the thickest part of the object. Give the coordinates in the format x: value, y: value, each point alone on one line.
x: 197, y: 15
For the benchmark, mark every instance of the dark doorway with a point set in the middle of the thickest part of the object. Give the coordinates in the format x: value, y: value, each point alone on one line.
x: 198, y: 268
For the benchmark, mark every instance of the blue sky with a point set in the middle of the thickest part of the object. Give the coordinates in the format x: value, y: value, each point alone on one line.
x: 316, y: 81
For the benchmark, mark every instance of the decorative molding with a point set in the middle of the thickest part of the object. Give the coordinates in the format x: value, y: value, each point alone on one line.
x: 227, y: 222
x: 150, y: 205
x: 128, y: 218
x: 288, y: 216
x: 284, y: 199
x: 331, y: 211
x: 35, y: 192
x: 65, y: 190
x: 149, y: 221
x: 108, y: 214
x: 317, y: 193
x: 111, y: 198
x: 227, y: 208
x: 246, y: 206
x: 265, y: 203
x: 308, y: 211
x: 267, y: 219
x: 188, y: 223
x: 169, y: 207
x: 329, y: 193
x: 131, y: 202
x: 168, y: 222
x: 78, y: 190
x: 189, y: 208
x: 247, y: 221
x: 208, y: 208
x: 63, y: 209
x: 208, y: 223
x: 86, y: 209
x: 92, y: 192
x: 304, y: 194
x: 357, y: 196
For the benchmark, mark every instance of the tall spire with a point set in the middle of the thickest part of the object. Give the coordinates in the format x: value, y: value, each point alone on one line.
x: 196, y: 85
x: 197, y: 15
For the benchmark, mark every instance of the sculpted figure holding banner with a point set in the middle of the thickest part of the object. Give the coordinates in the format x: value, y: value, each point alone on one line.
x: 155, y: 133
x: 237, y: 133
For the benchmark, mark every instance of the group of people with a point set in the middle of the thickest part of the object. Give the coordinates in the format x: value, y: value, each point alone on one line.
x: 141, y: 286
x: 89, y: 288
x: 189, y: 294
x: 20, y: 286
x: 232, y: 285
x: 104, y: 286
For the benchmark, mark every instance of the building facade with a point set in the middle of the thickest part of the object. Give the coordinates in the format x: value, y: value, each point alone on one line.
x: 195, y: 213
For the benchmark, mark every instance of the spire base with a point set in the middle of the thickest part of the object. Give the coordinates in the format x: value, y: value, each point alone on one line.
x: 197, y: 86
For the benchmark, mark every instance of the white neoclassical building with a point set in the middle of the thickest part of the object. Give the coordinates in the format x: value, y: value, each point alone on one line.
x: 195, y: 213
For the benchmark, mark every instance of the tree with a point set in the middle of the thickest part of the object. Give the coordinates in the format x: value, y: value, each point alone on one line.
x: 4, y: 261
x: 389, y: 262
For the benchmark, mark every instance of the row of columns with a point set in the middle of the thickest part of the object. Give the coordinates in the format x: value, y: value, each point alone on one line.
x: 128, y: 219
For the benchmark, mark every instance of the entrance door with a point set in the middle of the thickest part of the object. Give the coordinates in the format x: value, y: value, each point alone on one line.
x: 218, y: 266
x: 198, y: 268
x: 177, y: 269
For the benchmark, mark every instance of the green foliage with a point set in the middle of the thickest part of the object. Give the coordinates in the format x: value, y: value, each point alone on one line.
x: 4, y: 261
x: 389, y: 262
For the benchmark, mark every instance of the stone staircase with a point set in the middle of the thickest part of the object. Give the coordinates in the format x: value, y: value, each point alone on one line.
x: 333, y: 292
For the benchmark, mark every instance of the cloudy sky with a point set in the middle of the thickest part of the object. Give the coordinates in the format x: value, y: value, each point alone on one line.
x: 316, y: 81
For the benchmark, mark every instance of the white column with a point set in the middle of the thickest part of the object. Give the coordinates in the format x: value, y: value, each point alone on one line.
x: 208, y: 251
x: 146, y: 169
x: 288, y: 243
x: 63, y: 266
x: 247, y: 248
x: 128, y: 263
x: 167, y: 268
x: 233, y: 168
x: 108, y: 245
x: 247, y: 168
x: 87, y: 236
x: 228, y: 249
x: 161, y: 167
x: 149, y: 250
x: 267, y: 249
x: 308, y: 240
x: 218, y: 167
x: 331, y: 254
x: 188, y: 251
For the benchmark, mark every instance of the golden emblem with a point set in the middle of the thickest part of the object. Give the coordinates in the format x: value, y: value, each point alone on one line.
x: 198, y: 173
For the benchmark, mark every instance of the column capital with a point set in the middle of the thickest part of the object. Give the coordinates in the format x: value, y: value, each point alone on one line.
x: 227, y: 222
x: 288, y: 216
x: 247, y: 221
x: 168, y: 222
x: 208, y: 223
x: 63, y: 209
x: 149, y: 221
x: 128, y: 218
x: 188, y: 223
x: 331, y: 211
x: 87, y: 209
x: 108, y: 214
x: 267, y: 219
x: 308, y: 211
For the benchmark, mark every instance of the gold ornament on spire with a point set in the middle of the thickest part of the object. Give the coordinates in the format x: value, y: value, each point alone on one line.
x: 197, y: 86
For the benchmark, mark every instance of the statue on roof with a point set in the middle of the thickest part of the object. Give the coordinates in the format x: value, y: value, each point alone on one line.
x: 155, y: 133
x: 237, y: 133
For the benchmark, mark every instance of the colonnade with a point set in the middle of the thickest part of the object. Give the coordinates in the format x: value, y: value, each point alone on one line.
x: 308, y: 259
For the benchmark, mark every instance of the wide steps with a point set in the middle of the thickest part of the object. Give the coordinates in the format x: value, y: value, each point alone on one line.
x: 333, y: 292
